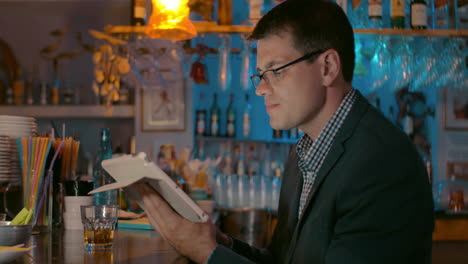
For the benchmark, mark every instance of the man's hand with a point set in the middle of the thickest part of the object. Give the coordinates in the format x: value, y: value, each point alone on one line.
x: 194, y: 240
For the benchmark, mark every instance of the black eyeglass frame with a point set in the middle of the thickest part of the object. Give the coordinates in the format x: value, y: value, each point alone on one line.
x: 305, y: 57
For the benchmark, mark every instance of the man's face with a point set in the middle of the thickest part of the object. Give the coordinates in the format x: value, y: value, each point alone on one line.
x: 296, y: 96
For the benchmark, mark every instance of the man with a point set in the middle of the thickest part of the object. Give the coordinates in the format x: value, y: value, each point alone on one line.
x: 354, y: 188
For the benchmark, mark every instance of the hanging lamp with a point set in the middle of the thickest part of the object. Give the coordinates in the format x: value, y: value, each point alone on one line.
x: 170, y: 20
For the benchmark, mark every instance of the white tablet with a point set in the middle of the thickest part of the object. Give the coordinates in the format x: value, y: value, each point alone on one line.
x: 130, y: 169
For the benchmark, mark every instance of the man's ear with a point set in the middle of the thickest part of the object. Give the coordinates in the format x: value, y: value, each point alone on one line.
x: 331, y: 66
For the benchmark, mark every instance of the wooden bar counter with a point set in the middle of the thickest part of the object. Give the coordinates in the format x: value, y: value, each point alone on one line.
x: 131, y: 246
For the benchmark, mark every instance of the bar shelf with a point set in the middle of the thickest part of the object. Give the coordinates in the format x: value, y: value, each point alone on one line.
x: 70, y: 111
x: 209, y: 27
x: 247, y: 140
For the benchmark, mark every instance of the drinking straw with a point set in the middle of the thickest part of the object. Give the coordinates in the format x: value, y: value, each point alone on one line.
x: 24, y: 147
x: 76, y: 147
x: 45, y: 147
x: 49, y: 178
x: 63, y: 131
x: 37, y: 144
x: 30, y: 145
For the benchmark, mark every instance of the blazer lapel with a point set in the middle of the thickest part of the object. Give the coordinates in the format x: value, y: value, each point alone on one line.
x: 335, y: 153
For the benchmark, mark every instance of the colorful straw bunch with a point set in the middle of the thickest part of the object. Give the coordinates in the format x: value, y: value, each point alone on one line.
x: 69, y: 155
x: 33, y: 152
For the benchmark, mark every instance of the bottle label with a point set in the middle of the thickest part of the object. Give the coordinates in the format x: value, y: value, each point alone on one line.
x: 398, y: 8
x: 230, y: 117
x: 246, y: 125
x: 200, y: 127
x: 343, y: 4
x: 139, y: 12
x: 54, y: 98
x: 255, y: 11
x: 214, y: 128
x: 230, y: 129
x: 418, y: 15
x: 375, y: 8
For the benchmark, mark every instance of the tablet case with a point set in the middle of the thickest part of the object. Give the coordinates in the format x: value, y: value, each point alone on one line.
x: 130, y: 169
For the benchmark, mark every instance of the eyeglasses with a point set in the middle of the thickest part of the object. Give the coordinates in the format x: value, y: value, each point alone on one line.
x: 267, y: 75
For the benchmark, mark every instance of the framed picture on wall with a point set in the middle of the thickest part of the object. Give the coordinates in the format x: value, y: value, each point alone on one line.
x: 455, y: 110
x: 163, y: 105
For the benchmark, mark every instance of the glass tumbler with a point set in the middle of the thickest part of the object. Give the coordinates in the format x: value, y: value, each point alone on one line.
x: 99, y: 222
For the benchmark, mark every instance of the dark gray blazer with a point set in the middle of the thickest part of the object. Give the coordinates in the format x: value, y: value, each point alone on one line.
x: 371, y: 202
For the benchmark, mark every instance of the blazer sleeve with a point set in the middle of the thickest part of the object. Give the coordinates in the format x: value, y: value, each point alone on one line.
x: 384, y: 213
x: 240, y: 253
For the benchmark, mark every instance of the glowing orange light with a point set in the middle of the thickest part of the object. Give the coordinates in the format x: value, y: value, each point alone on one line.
x: 170, y: 20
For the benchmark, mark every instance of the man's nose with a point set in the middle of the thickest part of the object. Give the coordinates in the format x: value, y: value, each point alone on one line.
x: 263, y: 88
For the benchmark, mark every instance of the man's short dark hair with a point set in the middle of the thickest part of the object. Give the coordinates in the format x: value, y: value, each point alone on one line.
x: 314, y: 25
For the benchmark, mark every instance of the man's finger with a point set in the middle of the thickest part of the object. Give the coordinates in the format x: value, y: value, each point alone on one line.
x: 155, y: 204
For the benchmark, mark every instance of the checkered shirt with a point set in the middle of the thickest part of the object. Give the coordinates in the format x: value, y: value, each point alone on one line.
x: 313, y: 153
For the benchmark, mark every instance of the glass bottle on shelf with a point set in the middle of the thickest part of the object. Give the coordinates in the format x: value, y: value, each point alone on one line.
x: 138, y: 12
x: 294, y: 133
x: 231, y: 118
x: 200, y: 126
x: 54, y: 92
x: 375, y: 14
x: 418, y: 14
x: 246, y: 118
x: 225, y: 12
x: 398, y: 13
x: 277, y: 134
x: 9, y: 99
x: 453, y: 14
x: 441, y: 10
x: 100, y: 176
x: 29, y: 90
x: 255, y: 11
x: 43, y: 94
x: 18, y: 88
x: 214, y: 117
x: 67, y: 92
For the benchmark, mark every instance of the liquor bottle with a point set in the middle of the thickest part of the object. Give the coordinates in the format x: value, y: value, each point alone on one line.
x: 294, y: 133
x: 67, y: 93
x: 246, y: 120
x: 54, y: 92
x: 138, y: 12
x: 100, y: 176
x: 9, y: 99
x: 446, y: 14
x: 18, y: 88
x: 278, y: 134
x: 200, y: 126
x: 214, y: 117
x: 225, y: 12
x: 375, y: 14
x: 43, y: 94
x: 398, y: 13
x: 418, y: 14
x: 255, y: 11
x: 231, y: 118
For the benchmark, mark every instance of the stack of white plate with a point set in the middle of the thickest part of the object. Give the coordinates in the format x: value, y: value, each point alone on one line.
x: 17, y: 126
x: 12, y: 127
